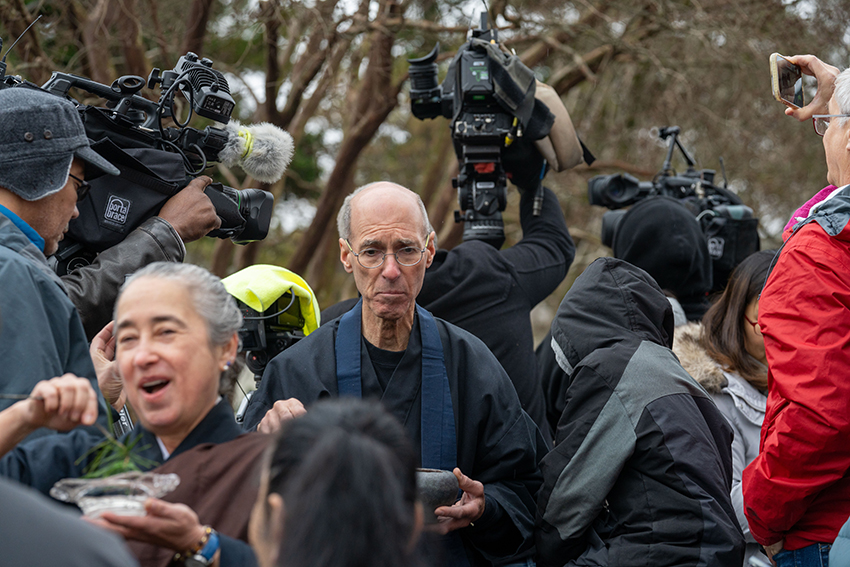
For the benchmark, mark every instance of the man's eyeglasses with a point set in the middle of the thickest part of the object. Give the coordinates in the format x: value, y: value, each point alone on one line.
x: 821, y: 121
x: 82, y: 189
x: 373, y: 258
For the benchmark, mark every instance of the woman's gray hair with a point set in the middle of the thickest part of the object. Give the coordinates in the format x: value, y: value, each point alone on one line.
x: 841, y: 94
x: 343, y: 219
x: 211, y: 301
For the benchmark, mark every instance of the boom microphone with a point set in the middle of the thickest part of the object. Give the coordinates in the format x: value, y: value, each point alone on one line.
x: 262, y: 150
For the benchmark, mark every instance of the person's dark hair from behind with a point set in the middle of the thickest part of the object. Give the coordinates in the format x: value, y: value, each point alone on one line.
x: 347, y: 474
x: 724, y: 323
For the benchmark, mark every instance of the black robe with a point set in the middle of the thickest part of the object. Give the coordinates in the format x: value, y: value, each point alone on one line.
x: 497, y: 443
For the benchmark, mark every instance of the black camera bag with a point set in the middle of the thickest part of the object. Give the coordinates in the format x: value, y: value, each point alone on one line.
x: 116, y: 205
x: 730, y: 240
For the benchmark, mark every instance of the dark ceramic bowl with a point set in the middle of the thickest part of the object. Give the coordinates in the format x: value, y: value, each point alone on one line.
x: 436, y: 488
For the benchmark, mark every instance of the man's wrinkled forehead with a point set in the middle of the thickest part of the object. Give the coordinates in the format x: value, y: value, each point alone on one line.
x: 383, y: 204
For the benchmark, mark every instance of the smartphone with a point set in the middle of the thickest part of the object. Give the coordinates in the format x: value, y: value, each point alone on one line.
x: 787, y: 81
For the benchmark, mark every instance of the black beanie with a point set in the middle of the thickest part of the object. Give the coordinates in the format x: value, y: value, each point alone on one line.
x: 661, y: 236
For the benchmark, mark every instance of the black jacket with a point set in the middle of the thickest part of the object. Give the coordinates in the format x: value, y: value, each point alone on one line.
x: 491, y: 293
x: 642, y: 467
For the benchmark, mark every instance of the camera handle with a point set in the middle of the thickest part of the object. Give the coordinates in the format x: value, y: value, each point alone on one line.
x: 120, y: 92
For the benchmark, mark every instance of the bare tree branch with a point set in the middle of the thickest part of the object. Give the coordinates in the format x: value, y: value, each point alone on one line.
x: 35, y: 65
x: 569, y: 76
x: 310, y: 63
x: 376, y: 98
x: 269, y: 10
x: 166, y: 58
x: 96, y: 39
x: 308, y: 109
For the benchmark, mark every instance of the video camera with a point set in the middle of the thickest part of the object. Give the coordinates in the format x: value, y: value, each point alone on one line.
x: 156, y: 161
x: 477, y: 95
x: 266, y: 334
x: 729, y: 226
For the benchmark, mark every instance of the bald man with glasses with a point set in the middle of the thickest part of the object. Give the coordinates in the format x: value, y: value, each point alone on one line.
x: 443, y: 384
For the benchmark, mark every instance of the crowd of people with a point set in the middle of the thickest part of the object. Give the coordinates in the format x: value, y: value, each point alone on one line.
x: 660, y: 429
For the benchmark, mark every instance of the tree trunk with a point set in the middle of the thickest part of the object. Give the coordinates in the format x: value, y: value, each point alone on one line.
x: 222, y: 257
x: 247, y: 255
x: 131, y: 39
x: 453, y: 237
x: 335, y: 190
x: 272, y: 26
x: 375, y: 99
x: 165, y: 60
x: 96, y: 41
x: 437, y: 172
x: 447, y: 200
x: 196, y: 26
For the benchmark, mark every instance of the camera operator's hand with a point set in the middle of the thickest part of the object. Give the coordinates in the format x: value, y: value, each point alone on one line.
x: 190, y: 212
x: 825, y: 75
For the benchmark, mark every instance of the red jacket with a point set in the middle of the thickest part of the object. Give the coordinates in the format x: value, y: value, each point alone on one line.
x: 798, y: 488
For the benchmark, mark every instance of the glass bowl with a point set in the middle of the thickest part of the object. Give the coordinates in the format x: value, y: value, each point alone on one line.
x: 122, y: 494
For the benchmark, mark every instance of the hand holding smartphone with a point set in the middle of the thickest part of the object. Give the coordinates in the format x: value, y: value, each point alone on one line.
x: 786, y: 81
x: 825, y: 75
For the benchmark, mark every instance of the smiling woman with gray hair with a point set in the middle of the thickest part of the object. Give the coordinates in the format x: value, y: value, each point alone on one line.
x: 175, y: 333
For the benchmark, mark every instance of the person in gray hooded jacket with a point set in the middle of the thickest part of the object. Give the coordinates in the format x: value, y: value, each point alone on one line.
x: 642, y: 467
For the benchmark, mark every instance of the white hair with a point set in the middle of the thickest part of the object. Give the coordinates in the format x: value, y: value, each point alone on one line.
x: 211, y: 301
x: 343, y: 219
x: 841, y: 94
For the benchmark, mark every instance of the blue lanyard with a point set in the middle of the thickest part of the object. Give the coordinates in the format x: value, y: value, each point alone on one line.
x: 439, y: 440
x: 437, y: 425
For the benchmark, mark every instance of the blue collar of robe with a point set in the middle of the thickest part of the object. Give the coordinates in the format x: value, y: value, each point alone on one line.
x: 439, y: 441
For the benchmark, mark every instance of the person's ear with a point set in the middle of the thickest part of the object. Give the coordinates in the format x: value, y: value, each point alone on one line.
x: 276, y: 521
x: 229, y: 351
x: 431, y: 249
x: 345, y: 255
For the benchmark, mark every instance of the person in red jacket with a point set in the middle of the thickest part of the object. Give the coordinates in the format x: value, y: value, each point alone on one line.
x: 797, y: 491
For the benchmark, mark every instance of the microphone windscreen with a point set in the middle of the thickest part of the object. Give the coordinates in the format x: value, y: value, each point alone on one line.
x: 262, y: 150
x: 270, y: 154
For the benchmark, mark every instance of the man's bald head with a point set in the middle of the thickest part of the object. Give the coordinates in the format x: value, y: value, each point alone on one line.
x: 378, y: 192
